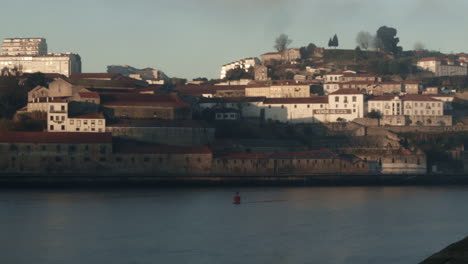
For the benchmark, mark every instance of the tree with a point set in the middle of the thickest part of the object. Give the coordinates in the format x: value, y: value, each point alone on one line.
x: 364, y: 40
x: 240, y: 73
x: 374, y: 114
x: 335, y: 41
x: 388, y: 41
x: 330, y: 43
x: 282, y: 42
x: 307, y: 52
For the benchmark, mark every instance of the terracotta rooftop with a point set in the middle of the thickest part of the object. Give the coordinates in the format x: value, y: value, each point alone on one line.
x: 154, y: 100
x: 346, y: 91
x: 230, y: 99
x: 89, y: 116
x: 419, y: 97
x: 164, y: 149
x: 55, y: 137
x: 304, y: 100
x: 313, y: 154
x: 89, y: 95
x: 97, y: 75
x: 408, y: 97
x: 159, y: 123
x: 198, y: 90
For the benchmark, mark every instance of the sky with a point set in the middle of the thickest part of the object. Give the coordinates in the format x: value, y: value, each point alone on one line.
x: 193, y: 38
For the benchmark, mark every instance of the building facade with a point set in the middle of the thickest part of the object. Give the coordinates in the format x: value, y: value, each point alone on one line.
x: 24, y: 47
x: 443, y: 67
x: 243, y: 64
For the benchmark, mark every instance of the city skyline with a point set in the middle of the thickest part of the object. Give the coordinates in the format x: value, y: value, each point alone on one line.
x: 194, y: 39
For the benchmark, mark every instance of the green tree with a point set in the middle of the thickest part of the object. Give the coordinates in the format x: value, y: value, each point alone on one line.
x: 330, y: 43
x: 387, y: 40
x: 240, y: 73
x: 282, y: 42
x: 335, y: 41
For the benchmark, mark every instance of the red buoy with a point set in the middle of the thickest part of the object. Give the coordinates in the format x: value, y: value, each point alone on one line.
x: 237, y: 198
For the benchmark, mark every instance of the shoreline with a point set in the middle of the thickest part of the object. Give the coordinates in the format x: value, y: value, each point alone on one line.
x: 74, y: 180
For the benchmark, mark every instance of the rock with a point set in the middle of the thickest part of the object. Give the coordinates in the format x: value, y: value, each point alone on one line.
x: 456, y: 253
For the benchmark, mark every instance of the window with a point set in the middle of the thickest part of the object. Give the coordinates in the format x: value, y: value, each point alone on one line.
x: 51, y: 118
x: 72, y: 122
x: 78, y: 122
x: 77, y: 129
x: 282, y: 106
x: 63, y: 127
x: 51, y: 108
x: 295, y: 106
x: 337, y: 99
x: 99, y: 122
x: 63, y: 118
x: 51, y: 127
x: 63, y: 108
x: 354, y: 98
x: 85, y: 122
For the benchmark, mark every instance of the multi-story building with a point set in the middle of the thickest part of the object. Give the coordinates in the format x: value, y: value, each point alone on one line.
x: 29, y: 55
x: 412, y: 87
x: 24, y: 47
x: 443, y: 67
x: 284, y: 90
x: 340, y: 106
x: 410, y: 109
x: 243, y: 64
x: 59, y: 121
x: 288, y: 55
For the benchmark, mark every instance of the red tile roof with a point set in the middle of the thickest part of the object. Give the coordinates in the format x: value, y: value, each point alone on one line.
x: 231, y: 99
x: 89, y: 95
x: 165, y: 149
x: 384, y: 98
x: 306, y: 100
x: 198, y: 90
x: 418, y: 97
x: 152, y: 100
x: 408, y: 97
x: 95, y: 75
x: 319, y: 154
x: 89, y: 116
x: 346, y: 91
x: 55, y: 137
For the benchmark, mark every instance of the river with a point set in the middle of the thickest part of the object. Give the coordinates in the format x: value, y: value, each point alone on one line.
x: 332, y: 225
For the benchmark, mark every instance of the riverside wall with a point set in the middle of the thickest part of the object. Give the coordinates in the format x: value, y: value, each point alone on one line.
x: 132, y: 180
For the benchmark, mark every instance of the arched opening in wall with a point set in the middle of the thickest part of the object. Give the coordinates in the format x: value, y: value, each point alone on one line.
x: 429, y: 121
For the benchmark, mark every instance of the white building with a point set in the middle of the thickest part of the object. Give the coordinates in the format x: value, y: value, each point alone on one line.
x: 410, y: 109
x: 343, y: 105
x: 58, y: 120
x: 24, y: 47
x: 243, y: 64
x: 284, y: 90
x: 29, y: 55
x: 443, y: 67
x: 406, y: 105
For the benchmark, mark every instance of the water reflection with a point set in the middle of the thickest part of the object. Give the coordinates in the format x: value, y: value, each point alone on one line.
x: 273, y: 225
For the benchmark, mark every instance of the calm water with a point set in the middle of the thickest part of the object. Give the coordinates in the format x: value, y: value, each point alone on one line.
x: 273, y: 225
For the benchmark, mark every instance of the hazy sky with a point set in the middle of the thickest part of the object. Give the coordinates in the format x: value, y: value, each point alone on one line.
x: 191, y: 38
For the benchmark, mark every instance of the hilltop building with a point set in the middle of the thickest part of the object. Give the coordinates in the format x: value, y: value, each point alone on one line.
x: 243, y: 64
x: 443, y: 67
x: 289, y: 55
x: 29, y: 55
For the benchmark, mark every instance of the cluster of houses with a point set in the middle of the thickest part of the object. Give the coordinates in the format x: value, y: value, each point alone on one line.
x: 110, y: 123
